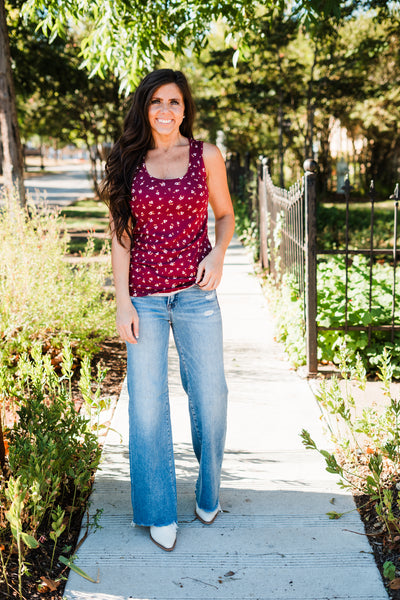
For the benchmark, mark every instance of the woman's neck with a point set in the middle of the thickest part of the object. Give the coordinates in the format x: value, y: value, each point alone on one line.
x: 166, y: 143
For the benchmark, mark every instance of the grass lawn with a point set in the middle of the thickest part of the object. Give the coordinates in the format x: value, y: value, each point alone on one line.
x: 331, y: 219
x: 84, y: 217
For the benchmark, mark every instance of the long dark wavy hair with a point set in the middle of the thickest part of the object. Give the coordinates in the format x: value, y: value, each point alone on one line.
x: 128, y: 152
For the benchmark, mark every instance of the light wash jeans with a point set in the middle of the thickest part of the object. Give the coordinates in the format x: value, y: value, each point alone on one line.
x: 195, y: 319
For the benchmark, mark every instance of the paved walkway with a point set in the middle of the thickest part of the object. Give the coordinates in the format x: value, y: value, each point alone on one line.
x: 70, y: 182
x: 274, y: 540
x: 63, y: 184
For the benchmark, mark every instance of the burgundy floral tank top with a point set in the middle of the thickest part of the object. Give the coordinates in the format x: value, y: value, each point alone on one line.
x: 170, y: 236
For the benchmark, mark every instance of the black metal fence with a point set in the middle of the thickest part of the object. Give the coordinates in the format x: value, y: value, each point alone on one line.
x: 287, y: 222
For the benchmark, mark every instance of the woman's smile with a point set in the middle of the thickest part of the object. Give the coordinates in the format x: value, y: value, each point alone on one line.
x: 166, y: 109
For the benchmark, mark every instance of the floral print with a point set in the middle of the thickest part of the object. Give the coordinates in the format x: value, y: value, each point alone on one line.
x: 170, y: 236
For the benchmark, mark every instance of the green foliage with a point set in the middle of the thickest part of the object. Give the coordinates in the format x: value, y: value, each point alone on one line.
x: 331, y: 226
x: 288, y: 309
x: 292, y: 84
x: 270, y: 84
x: 95, y: 404
x: 58, y: 527
x: 331, y: 309
x: 389, y: 570
x: 128, y: 41
x: 120, y: 38
x: 15, y: 495
x: 43, y: 297
x: 367, y: 455
x: 52, y: 455
x: 69, y: 562
x: 57, y: 104
x: 245, y: 216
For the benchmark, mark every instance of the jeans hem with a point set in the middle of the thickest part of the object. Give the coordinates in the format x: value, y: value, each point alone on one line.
x: 152, y: 524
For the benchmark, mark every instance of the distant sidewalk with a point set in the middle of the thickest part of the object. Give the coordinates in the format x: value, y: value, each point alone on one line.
x: 66, y: 182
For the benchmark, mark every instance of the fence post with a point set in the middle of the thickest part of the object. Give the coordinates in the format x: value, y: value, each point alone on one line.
x: 310, y: 168
x: 262, y: 211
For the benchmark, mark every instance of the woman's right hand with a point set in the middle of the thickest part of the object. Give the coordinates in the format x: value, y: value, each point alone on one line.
x: 128, y: 323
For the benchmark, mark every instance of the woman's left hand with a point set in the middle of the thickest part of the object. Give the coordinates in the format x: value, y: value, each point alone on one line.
x: 209, y: 271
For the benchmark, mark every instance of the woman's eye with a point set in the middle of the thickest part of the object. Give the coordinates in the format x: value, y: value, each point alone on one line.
x: 155, y: 101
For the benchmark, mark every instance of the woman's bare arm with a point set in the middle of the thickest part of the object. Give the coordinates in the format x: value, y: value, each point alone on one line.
x: 209, y: 272
x: 127, y: 317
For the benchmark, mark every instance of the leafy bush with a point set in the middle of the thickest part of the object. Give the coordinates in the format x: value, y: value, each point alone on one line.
x: 52, y: 454
x: 331, y: 226
x: 42, y: 296
x: 246, y: 221
x: 331, y: 310
x: 367, y: 447
x: 288, y: 308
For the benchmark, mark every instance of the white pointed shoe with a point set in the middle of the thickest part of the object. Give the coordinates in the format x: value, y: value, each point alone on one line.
x: 206, y: 516
x: 164, y: 537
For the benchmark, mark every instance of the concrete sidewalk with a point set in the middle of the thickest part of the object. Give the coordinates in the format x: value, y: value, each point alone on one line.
x: 60, y: 185
x: 274, y: 540
x: 69, y: 183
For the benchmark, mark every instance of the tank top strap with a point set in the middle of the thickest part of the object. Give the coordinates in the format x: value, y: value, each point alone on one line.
x: 196, y: 149
x: 196, y: 162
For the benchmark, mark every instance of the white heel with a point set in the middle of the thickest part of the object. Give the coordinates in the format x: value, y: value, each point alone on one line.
x: 205, y: 516
x: 164, y: 537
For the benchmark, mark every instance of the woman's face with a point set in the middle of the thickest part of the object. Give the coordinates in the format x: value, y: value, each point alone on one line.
x: 166, y: 109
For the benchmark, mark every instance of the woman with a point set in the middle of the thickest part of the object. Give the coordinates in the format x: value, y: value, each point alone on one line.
x: 158, y: 183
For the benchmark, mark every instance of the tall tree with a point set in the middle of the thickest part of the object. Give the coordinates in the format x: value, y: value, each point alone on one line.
x: 128, y: 37
x: 12, y: 160
x: 55, y: 98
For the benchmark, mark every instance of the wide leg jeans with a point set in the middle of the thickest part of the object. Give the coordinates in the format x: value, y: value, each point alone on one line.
x: 195, y: 319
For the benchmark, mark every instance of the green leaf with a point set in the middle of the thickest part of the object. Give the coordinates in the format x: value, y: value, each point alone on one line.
x: 334, y: 515
x: 68, y: 562
x: 366, y: 318
x: 389, y: 570
x: 29, y: 540
x: 371, y: 481
x: 326, y: 454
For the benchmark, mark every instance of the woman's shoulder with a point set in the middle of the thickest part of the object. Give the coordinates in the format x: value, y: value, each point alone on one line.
x: 210, y: 150
x: 211, y: 155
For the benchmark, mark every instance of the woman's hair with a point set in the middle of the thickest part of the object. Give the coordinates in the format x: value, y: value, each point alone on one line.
x: 128, y: 152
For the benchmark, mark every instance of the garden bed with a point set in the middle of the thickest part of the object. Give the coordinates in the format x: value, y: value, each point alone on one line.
x: 46, y: 575
x: 59, y: 372
x: 362, y: 419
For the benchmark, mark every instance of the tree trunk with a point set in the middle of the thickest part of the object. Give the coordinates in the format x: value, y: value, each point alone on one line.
x: 13, y: 164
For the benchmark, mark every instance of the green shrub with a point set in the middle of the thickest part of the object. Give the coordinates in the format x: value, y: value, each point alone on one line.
x: 367, y: 446
x: 331, y: 226
x: 52, y: 456
x: 42, y: 296
x: 288, y: 309
x: 331, y: 310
